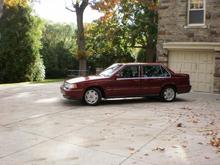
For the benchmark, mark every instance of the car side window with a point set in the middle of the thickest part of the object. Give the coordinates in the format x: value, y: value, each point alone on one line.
x: 165, y: 73
x: 154, y: 71
x: 130, y: 72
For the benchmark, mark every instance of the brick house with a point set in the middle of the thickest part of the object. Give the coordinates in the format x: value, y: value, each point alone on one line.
x: 189, y: 40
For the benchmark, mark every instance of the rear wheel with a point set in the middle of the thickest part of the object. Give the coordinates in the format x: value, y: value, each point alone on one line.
x: 168, y: 94
x: 92, y: 96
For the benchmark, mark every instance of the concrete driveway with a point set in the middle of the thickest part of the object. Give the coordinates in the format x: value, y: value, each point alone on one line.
x: 39, y: 127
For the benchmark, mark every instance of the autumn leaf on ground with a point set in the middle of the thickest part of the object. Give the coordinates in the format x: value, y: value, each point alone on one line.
x: 131, y: 150
x: 212, y: 123
x: 179, y: 125
x: 215, y: 142
x: 212, y: 133
x: 186, y: 108
x: 184, y: 146
x: 159, y: 149
x: 195, y: 121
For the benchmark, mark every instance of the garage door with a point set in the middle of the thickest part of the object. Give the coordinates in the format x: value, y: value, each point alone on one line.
x: 198, y: 64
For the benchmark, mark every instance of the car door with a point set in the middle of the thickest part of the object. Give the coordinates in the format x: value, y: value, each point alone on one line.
x: 153, y: 78
x: 126, y: 83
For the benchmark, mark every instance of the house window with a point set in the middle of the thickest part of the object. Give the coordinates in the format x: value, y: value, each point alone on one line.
x: 196, y: 12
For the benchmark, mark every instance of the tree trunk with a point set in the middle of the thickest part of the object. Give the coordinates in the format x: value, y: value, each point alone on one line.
x: 81, y: 43
x: 151, y: 43
x: 1, y: 7
x: 150, y: 50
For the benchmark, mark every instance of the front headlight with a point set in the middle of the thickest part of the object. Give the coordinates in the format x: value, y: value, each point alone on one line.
x: 69, y: 85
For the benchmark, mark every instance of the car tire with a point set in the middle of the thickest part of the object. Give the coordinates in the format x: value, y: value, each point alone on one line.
x: 92, y: 96
x: 168, y: 94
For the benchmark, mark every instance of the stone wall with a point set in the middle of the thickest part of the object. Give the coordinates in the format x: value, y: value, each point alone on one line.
x: 173, y: 24
x: 173, y: 27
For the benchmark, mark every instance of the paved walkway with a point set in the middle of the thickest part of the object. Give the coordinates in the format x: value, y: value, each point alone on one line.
x: 39, y: 127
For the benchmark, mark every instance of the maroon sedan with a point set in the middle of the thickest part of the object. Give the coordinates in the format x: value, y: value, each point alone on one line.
x: 127, y: 80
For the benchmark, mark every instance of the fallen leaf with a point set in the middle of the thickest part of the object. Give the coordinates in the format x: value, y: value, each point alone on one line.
x: 195, y: 121
x: 131, y: 149
x: 184, y: 146
x: 187, y: 108
x: 179, y: 125
x: 159, y: 149
x: 212, y: 123
x: 215, y: 142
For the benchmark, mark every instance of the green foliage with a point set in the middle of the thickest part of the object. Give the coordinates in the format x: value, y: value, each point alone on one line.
x: 135, y: 23
x: 141, y: 56
x: 39, y: 70
x: 58, y: 49
x: 139, y: 22
x: 106, y: 45
x: 20, y: 35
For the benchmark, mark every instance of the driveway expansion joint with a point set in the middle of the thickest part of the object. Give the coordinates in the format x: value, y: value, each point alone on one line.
x: 144, y: 145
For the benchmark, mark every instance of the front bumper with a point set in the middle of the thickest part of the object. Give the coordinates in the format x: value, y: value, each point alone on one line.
x: 74, y: 94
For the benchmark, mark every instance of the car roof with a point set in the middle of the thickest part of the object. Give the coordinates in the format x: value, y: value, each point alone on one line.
x: 137, y: 63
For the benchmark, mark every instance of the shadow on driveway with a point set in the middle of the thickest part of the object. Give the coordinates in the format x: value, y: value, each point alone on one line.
x: 119, y: 101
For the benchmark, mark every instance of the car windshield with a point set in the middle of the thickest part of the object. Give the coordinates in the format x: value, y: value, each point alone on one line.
x: 110, y: 70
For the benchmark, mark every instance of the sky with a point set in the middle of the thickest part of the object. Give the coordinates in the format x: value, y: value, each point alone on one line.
x: 54, y: 10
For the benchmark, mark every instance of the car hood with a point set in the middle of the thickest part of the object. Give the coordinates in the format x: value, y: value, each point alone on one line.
x: 83, y: 79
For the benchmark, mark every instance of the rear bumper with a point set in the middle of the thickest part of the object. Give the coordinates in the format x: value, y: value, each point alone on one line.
x: 184, y: 89
x: 73, y: 94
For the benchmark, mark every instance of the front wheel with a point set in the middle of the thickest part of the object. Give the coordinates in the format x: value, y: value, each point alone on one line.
x: 92, y: 96
x: 168, y: 94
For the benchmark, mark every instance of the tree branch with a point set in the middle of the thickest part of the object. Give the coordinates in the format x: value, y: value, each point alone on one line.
x: 70, y: 9
x: 135, y: 46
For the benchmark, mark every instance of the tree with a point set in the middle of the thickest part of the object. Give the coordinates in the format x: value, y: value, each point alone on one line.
x: 1, y: 7
x: 20, y: 45
x: 137, y: 20
x: 58, y: 49
x: 106, y: 45
x: 79, y: 7
x: 12, y: 3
